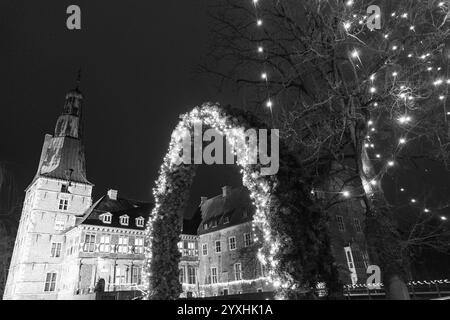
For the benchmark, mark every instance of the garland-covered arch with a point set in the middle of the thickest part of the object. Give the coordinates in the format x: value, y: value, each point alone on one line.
x: 289, y: 230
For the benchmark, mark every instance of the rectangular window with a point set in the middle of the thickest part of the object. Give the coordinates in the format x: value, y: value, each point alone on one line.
x: 340, y: 223
x: 104, y: 243
x: 107, y: 218
x: 226, y: 219
x: 56, y: 250
x: 137, y: 278
x: 50, y: 282
x: 191, y: 275
x: 139, y: 245
x: 247, y: 239
x: 60, y: 223
x: 123, y: 245
x: 63, y: 204
x: 357, y: 225
x: 349, y: 256
x: 213, y: 275
x: 64, y: 188
x: 232, y: 243
x: 182, y: 277
x: 140, y: 222
x: 218, y: 248
x: 237, y: 271
x: 89, y: 243
x: 205, y: 249
x: 121, y: 274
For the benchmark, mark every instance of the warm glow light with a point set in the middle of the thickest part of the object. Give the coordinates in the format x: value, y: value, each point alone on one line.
x: 347, y: 25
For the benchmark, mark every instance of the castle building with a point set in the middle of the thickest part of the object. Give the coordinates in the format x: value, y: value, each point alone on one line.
x: 68, y: 247
x: 56, y: 197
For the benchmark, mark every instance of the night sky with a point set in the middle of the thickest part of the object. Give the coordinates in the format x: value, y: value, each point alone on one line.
x: 138, y: 60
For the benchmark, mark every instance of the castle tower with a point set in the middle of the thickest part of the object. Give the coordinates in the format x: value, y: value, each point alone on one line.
x: 58, y: 194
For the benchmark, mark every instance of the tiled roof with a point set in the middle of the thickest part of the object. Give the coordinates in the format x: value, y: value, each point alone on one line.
x: 62, y: 155
x: 236, y: 206
x: 117, y: 208
x: 190, y: 226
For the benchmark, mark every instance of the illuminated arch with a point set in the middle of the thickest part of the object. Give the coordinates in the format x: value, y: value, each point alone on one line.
x: 286, y: 233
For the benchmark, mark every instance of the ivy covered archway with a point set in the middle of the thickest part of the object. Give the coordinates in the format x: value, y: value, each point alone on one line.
x: 289, y: 230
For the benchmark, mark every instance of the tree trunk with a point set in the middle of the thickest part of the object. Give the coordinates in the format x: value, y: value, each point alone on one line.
x: 396, y: 289
x: 382, y: 236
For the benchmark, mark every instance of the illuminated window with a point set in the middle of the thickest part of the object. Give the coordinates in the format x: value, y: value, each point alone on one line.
x: 63, y: 204
x: 121, y: 274
x: 137, y: 276
x: 89, y: 243
x: 104, y: 243
x: 140, y: 222
x: 50, y: 282
x: 232, y: 243
x: 123, y: 244
x: 181, y: 275
x: 107, y: 217
x: 191, y: 275
x: 340, y: 223
x: 139, y: 245
x: 237, y: 271
x: 124, y: 220
x: 56, y: 250
x: 218, y: 248
x: 247, y: 239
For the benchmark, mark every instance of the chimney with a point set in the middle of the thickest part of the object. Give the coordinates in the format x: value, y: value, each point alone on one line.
x: 226, y: 191
x: 112, y: 194
x: 202, y: 200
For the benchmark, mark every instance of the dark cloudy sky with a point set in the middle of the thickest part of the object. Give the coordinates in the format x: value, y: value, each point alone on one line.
x: 138, y: 60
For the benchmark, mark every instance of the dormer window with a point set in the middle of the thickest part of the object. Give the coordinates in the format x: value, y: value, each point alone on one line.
x: 205, y: 226
x: 124, y: 220
x: 106, y: 218
x: 140, y: 221
x: 64, y: 188
x: 226, y: 219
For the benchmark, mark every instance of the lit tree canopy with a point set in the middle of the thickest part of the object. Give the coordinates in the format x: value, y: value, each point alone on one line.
x: 342, y: 92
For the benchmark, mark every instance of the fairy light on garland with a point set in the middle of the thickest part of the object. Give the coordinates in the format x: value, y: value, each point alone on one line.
x: 259, y: 186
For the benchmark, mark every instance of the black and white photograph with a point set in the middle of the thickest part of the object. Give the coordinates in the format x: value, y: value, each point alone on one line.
x: 225, y: 154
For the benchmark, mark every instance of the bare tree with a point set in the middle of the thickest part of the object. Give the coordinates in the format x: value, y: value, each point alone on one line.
x: 341, y: 93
